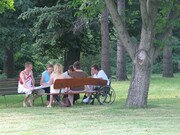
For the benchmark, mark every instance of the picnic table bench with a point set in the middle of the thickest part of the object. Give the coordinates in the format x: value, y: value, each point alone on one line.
x: 104, y: 93
x: 9, y: 87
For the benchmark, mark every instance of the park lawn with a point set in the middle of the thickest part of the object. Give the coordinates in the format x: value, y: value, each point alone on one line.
x: 161, y: 117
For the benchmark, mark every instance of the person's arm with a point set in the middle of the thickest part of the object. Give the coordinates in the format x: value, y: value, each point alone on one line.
x: 33, y: 80
x: 51, y: 81
x: 42, y: 81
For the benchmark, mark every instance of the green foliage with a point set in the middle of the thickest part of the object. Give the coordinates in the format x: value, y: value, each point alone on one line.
x: 15, y: 34
x: 56, y: 30
x: 6, y: 4
x: 88, y: 9
x: 168, y: 18
x: 168, y: 15
x: 3, y: 76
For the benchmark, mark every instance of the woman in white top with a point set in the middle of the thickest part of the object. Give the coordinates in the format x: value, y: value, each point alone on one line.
x: 57, y: 74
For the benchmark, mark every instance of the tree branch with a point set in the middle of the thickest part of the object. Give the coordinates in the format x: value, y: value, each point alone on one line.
x: 148, y: 12
x: 120, y: 27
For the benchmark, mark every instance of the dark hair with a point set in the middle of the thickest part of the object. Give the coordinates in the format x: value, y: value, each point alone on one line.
x: 76, y: 65
x: 71, y: 68
x: 96, y: 67
x: 49, y: 65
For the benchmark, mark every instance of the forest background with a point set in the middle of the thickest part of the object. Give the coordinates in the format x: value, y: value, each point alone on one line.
x: 51, y: 32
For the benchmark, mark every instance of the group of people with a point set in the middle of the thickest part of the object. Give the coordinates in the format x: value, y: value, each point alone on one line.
x: 26, y: 82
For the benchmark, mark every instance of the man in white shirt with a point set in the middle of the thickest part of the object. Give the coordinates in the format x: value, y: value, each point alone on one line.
x: 69, y: 71
x: 96, y: 73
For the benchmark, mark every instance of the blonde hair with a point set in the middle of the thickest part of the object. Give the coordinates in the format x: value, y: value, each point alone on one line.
x: 58, y: 69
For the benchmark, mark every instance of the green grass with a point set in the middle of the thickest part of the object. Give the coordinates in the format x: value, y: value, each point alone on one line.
x: 161, y: 117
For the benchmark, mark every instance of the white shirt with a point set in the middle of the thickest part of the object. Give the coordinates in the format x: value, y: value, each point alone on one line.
x: 66, y: 74
x: 101, y: 74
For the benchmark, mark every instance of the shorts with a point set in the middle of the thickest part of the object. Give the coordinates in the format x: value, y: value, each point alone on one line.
x: 22, y: 89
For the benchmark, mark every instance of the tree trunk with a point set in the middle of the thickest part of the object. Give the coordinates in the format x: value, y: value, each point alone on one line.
x: 141, y: 55
x: 138, y: 91
x: 121, y: 73
x: 167, y: 61
x: 9, y: 63
x: 105, y: 53
x: 72, y: 55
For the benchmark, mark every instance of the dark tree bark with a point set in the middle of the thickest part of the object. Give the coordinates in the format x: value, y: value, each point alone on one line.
x: 72, y: 54
x: 167, y: 61
x: 105, y: 53
x: 121, y: 73
x: 9, y: 62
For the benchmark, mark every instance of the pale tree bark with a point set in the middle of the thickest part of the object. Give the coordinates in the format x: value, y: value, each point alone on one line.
x: 105, y: 53
x: 121, y: 73
x: 142, y: 55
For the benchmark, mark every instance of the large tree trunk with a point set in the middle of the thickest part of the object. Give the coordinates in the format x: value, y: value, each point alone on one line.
x: 167, y: 61
x: 139, y: 87
x: 138, y: 91
x: 121, y: 73
x: 141, y: 55
x: 72, y: 55
x: 9, y: 62
x: 105, y: 53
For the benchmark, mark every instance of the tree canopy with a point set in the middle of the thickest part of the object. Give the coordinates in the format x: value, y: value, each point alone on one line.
x: 6, y: 4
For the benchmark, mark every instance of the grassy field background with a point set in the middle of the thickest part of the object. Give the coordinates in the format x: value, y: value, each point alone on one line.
x: 161, y: 117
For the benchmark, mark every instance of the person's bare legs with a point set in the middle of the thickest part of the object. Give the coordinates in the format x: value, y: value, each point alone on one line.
x: 37, y: 94
x: 71, y: 97
x: 25, y: 100
x: 32, y: 100
x: 51, y: 101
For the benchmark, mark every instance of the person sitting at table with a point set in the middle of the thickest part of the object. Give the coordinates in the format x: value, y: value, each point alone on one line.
x: 26, y: 84
x: 57, y: 74
x: 69, y: 71
x: 45, y: 78
x: 96, y: 73
x: 77, y: 73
